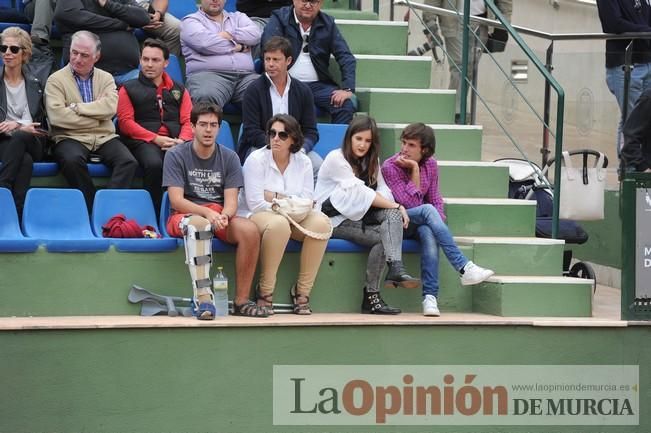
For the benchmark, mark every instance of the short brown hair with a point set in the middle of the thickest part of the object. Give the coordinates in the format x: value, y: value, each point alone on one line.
x: 278, y: 43
x: 205, y: 107
x: 157, y: 43
x: 422, y: 132
x: 24, y: 40
x: 292, y: 127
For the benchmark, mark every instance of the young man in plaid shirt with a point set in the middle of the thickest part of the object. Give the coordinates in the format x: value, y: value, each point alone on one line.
x: 412, y: 176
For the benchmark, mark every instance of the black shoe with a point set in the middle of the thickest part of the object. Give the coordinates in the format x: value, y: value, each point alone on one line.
x: 398, y: 276
x: 374, y: 304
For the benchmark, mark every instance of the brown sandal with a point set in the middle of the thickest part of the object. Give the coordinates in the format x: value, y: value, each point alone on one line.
x: 265, y: 301
x: 301, y: 303
x: 250, y: 309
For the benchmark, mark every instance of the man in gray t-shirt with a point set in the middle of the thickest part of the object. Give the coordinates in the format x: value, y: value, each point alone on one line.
x: 203, y: 181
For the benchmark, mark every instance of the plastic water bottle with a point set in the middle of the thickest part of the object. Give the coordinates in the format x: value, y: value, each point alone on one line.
x: 220, y: 291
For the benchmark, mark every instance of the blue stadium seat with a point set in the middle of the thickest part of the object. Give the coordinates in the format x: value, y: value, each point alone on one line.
x: 134, y: 204
x: 181, y: 8
x: 11, y: 238
x: 331, y: 135
x: 225, y: 136
x: 42, y: 169
x: 174, y: 69
x: 59, y: 218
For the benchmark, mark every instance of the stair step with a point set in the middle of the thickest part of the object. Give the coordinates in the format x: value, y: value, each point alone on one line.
x: 490, y: 217
x: 490, y: 179
x: 409, y: 72
x: 534, y: 296
x: 453, y: 142
x: 517, y: 255
x: 392, y: 105
x: 347, y: 14
x: 375, y: 37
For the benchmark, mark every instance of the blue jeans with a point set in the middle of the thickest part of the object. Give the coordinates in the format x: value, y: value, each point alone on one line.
x: 640, y: 81
x: 432, y: 232
x: 322, y: 93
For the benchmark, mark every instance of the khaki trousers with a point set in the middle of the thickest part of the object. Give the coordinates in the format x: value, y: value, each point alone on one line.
x: 276, y: 231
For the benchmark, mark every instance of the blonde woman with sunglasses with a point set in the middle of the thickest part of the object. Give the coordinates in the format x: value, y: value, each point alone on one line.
x: 22, y: 141
x: 279, y: 170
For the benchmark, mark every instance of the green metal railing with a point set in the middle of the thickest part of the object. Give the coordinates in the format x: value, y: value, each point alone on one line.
x: 549, y: 80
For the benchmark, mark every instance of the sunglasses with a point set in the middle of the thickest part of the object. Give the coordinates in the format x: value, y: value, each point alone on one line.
x: 13, y: 48
x: 283, y: 135
x: 306, y: 41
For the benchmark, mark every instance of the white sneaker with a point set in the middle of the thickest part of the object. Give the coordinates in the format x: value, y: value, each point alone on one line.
x: 473, y: 274
x: 430, y: 306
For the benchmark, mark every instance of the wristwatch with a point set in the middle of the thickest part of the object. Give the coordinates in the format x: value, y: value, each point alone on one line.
x: 74, y: 107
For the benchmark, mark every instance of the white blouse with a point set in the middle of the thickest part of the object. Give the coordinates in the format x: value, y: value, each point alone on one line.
x: 261, y: 173
x: 347, y: 193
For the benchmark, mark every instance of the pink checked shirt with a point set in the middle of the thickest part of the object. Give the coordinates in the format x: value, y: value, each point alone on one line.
x: 405, y: 191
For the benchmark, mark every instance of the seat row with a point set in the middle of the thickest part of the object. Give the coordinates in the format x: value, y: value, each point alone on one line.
x: 58, y: 219
x: 330, y: 137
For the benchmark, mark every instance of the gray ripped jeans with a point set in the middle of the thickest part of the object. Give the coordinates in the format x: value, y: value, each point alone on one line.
x: 384, y: 239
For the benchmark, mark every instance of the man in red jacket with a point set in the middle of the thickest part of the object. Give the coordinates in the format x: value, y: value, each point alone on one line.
x: 153, y: 115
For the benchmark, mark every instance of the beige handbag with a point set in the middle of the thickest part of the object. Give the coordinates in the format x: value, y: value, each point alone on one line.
x: 296, y: 209
x: 582, y: 190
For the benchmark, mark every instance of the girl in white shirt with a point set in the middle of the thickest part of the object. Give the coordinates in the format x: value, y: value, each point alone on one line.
x: 281, y: 170
x: 352, y: 192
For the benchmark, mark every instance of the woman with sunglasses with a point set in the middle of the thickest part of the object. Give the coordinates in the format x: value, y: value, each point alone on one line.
x: 21, y: 113
x: 352, y: 192
x: 281, y: 170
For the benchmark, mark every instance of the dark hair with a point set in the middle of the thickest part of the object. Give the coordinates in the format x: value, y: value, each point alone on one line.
x: 278, y: 43
x: 157, y: 43
x: 369, y: 164
x: 422, y: 132
x: 292, y: 127
x: 205, y: 107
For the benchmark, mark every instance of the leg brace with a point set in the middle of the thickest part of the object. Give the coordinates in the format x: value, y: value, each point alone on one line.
x: 197, y: 233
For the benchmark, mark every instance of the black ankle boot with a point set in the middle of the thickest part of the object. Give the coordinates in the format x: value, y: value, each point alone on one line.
x: 398, y: 276
x: 374, y: 304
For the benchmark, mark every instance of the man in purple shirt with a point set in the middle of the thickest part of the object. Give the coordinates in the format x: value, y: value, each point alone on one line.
x: 217, y: 49
x: 412, y: 176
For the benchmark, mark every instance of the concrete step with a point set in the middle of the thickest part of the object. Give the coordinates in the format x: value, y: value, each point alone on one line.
x: 375, y: 37
x: 453, y: 142
x: 409, y: 72
x: 533, y: 296
x: 491, y: 217
x: 516, y: 255
x: 345, y: 14
x: 473, y: 179
x: 392, y: 105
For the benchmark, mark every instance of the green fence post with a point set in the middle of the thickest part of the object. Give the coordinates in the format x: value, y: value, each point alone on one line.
x: 464, y: 62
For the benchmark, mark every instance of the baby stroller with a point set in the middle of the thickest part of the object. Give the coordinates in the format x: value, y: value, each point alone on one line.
x: 527, y: 182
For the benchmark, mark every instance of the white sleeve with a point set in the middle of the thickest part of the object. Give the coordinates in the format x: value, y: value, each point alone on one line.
x: 254, y: 181
x: 382, y: 187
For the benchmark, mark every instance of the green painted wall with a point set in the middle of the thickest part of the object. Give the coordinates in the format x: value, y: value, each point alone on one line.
x: 605, y: 244
x: 220, y: 379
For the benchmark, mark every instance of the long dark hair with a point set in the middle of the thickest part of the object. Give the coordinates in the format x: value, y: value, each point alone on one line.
x: 368, y: 166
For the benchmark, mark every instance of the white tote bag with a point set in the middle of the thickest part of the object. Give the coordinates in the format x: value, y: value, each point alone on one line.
x: 582, y: 190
